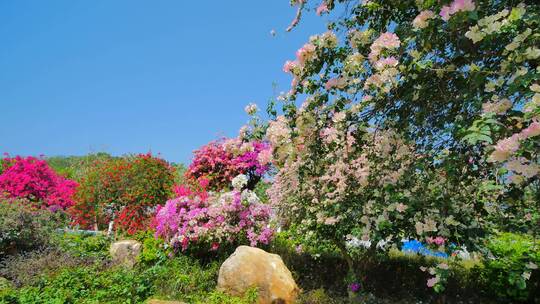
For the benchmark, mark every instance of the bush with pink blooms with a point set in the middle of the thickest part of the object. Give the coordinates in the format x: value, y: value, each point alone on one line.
x: 218, y: 162
x: 213, y: 219
x: 411, y: 120
x: 32, y: 179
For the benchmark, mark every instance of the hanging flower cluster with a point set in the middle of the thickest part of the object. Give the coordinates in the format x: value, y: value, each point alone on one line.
x: 310, y: 55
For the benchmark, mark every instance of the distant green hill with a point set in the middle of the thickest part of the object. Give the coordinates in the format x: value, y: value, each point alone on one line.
x: 73, y: 167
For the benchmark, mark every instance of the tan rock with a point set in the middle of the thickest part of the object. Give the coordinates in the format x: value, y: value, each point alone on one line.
x: 125, y: 252
x: 251, y: 267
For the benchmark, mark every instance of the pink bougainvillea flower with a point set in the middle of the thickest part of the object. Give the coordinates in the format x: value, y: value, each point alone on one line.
x: 421, y: 20
x: 382, y: 63
x: 289, y: 66
x: 431, y: 282
x: 32, y: 178
x: 305, y: 53
x: 323, y: 8
x: 456, y: 7
x: 504, y: 148
x: 218, y: 162
x: 199, y: 217
x: 338, y: 82
x: 386, y: 40
x: 532, y: 130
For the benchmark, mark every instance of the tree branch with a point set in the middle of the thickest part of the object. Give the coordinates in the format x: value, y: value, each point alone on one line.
x: 296, y: 19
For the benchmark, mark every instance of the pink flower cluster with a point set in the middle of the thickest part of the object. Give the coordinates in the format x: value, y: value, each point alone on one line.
x: 508, y: 146
x: 386, y: 67
x: 198, y: 217
x: 322, y: 8
x: 386, y: 40
x: 432, y: 281
x: 382, y: 63
x: 523, y: 167
x: 532, y: 130
x: 439, y: 241
x: 498, y: 107
x: 455, y: 7
x: 421, y: 21
x: 308, y: 53
x: 32, y: 178
x: 220, y: 161
x: 305, y: 53
x: 338, y: 82
x: 278, y: 131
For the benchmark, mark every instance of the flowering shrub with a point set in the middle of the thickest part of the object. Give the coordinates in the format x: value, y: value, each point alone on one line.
x: 335, y: 182
x: 124, y: 190
x: 24, y: 228
x: 214, y: 218
x: 32, y: 179
x: 422, y: 122
x: 218, y: 162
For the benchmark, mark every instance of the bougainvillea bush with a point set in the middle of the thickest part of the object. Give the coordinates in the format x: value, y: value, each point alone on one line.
x: 24, y: 227
x: 411, y: 119
x: 125, y: 190
x: 213, y: 219
x: 218, y: 162
x: 32, y: 179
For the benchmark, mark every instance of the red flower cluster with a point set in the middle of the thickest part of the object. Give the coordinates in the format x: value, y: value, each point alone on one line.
x: 32, y: 179
x: 125, y: 190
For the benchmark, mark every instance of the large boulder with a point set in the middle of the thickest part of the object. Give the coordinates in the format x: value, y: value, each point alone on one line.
x: 251, y: 267
x: 125, y: 252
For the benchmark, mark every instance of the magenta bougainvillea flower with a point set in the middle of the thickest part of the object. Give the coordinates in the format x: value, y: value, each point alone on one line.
x: 220, y: 161
x: 201, y: 217
x: 31, y: 178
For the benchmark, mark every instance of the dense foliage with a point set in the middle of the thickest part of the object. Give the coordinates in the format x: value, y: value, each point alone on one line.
x: 515, y: 258
x: 32, y: 179
x: 74, y: 167
x: 79, y: 270
x: 24, y: 228
x: 124, y: 190
x: 418, y: 120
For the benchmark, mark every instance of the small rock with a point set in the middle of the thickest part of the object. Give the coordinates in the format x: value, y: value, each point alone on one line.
x: 251, y: 267
x: 125, y: 252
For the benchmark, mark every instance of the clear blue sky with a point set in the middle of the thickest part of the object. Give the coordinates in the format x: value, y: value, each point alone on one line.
x: 130, y: 76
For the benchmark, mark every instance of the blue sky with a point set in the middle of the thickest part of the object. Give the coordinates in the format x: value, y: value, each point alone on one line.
x: 130, y: 76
